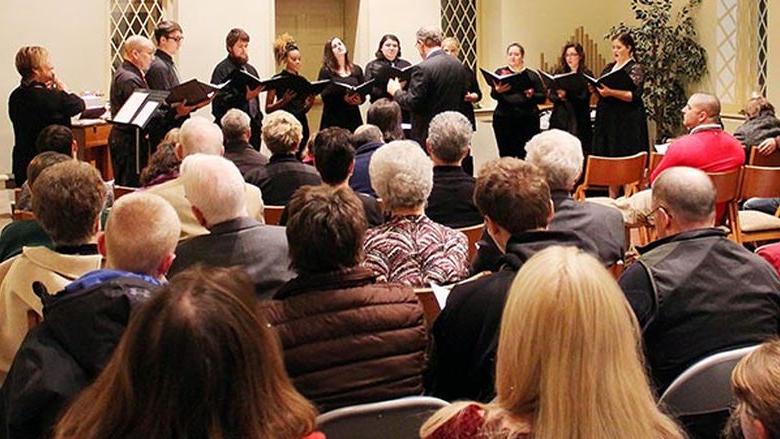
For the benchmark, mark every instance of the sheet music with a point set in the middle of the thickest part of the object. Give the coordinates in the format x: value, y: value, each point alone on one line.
x: 145, y: 113
x: 130, y: 107
x: 441, y: 293
x: 662, y: 148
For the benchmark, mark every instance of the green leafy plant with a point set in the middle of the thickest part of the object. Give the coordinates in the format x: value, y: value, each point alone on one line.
x: 671, y: 56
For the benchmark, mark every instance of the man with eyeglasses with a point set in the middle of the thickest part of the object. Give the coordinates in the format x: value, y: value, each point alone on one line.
x: 162, y: 74
x: 694, y: 291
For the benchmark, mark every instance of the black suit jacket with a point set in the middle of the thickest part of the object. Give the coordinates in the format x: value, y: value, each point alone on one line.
x: 451, y: 201
x: 437, y: 85
x: 259, y: 249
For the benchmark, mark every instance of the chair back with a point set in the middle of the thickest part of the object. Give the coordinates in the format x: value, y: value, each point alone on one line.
x: 757, y: 159
x: 272, y: 214
x: 22, y: 215
x: 613, y: 171
x: 726, y: 185
x: 121, y: 191
x: 761, y: 182
x: 473, y: 233
x: 653, y: 162
x: 394, y: 419
x: 704, y: 387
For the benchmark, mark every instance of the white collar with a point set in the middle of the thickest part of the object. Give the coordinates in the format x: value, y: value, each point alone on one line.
x: 705, y: 127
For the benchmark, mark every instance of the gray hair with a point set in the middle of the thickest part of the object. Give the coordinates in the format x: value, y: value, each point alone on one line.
x: 687, y: 193
x: 559, y: 155
x: 366, y: 133
x: 401, y: 174
x: 215, y: 186
x: 199, y: 135
x: 235, y: 124
x: 430, y: 36
x: 449, y: 136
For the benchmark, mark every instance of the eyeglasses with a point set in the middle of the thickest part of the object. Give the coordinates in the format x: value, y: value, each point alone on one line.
x: 177, y: 39
x: 650, y: 216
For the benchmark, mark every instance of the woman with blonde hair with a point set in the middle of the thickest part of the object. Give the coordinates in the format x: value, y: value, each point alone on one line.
x: 568, y: 363
x: 197, y: 361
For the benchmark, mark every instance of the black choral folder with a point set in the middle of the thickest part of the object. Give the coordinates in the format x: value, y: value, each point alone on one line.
x: 362, y: 89
x: 402, y: 74
x: 617, y: 80
x: 302, y: 87
x: 193, y: 92
x: 571, y: 81
x: 518, y: 81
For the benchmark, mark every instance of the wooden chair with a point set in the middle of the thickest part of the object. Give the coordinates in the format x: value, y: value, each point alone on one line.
x: 121, y: 191
x: 430, y: 303
x: 727, y: 191
x: 756, y: 159
x: 22, y: 215
x: 751, y: 225
x: 653, y: 161
x: 613, y: 171
x: 616, y: 269
x: 473, y: 233
x: 272, y: 214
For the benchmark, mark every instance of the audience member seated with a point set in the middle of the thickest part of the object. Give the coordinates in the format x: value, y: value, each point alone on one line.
x: 770, y: 252
x: 84, y: 322
x: 386, y: 115
x: 53, y: 138
x: 196, y: 361
x: 237, y: 131
x: 163, y: 165
x: 559, y: 155
x: 215, y: 188
x: 760, y: 123
x: 451, y: 201
x: 334, y: 158
x: 756, y: 385
x: 410, y: 248
x: 567, y: 364
x: 67, y: 202
x: 284, y: 173
x: 29, y: 233
x: 365, y: 140
x: 514, y: 199
x: 198, y: 135
x: 347, y: 338
x: 694, y: 291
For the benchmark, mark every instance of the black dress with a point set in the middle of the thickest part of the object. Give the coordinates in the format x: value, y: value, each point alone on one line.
x: 296, y: 107
x: 621, y: 127
x: 31, y: 108
x: 572, y: 113
x: 230, y: 97
x: 335, y: 111
x: 516, y: 118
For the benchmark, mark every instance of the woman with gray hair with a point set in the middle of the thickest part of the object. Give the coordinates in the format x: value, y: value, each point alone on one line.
x: 410, y: 248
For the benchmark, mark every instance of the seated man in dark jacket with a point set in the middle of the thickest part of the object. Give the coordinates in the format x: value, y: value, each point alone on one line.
x: 694, y: 291
x: 215, y: 188
x: 236, y: 131
x: 451, y: 200
x: 347, y: 339
x: 284, y: 173
x: 514, y: 199
x: 83, y: 323
x: 366, y: 140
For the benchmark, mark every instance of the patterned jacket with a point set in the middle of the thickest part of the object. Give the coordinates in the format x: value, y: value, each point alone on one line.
x: 413, y: 250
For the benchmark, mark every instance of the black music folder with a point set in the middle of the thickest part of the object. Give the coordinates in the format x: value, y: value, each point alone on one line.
x: 571, y: 81
x: 617, y: 80
x: 302, y: 87
x: 518, y: 81
x: 193, y: 92
x: 240, y: 79
x: 362, y: 89
x: 402, y: 74
x: 139, y: 108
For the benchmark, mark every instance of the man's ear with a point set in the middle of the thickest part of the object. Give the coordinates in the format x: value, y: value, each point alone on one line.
x: 179, y: 151
x: 165, y: 265
x: 199, y: 216
x: 551, y: 215
x: 101, y: 243
x: 74, y: 149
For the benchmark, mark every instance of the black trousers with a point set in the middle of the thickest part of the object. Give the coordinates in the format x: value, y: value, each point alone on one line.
x: 513, y: 132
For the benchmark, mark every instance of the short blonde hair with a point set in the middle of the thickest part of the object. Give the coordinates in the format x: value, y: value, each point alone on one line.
x: 401, y: 174
x: 141, y: 231
x: 559, y: 155
x: 282, y: 132
x: 29, y: 58
x: 451, y: 43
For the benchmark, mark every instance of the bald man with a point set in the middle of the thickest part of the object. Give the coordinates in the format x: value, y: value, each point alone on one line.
x: 137, y: 52
x: 694, y: 291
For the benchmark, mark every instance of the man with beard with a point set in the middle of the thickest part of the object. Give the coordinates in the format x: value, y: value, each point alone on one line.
x: 245, y: 99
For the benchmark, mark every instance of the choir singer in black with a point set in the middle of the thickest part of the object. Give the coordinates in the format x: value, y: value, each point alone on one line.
x: 340, y: 107
x: 571, y: 107
x: 435, y: 86
x: 40, y: 100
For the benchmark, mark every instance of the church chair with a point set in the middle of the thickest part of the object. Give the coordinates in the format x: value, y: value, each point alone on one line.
x: 272, y: 214
x: 756, y: 159
x: 727, y: 191
x: 701, y: 396
x: 22, y: 215
x: 121, y: 191
x: 751, y: 225
x: 473, y: 233
x: 616, y: 269
x: 395, y: 419
x: 653, y: 160
x: 431, y: 304
x: 605, y: 172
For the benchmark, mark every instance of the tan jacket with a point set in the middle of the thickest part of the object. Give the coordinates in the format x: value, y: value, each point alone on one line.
x: 17, y: 274
x: 173, y: 192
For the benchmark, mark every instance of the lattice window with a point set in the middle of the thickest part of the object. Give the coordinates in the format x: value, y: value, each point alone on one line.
x: 132, y: 17
x: 762, y: 37
x: 459, y: 20
x: 726, y: 55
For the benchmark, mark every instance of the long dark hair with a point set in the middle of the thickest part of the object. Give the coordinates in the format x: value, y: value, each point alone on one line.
x: 627, y: 40
x: 196, y: 361
x: 386, y: 37
x: 329, y: 59
x: 580, y: 51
